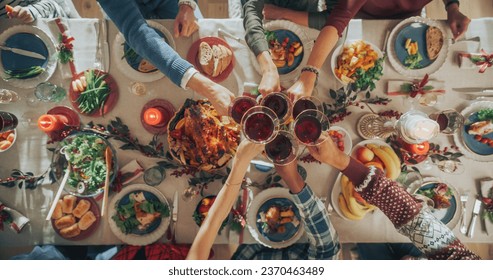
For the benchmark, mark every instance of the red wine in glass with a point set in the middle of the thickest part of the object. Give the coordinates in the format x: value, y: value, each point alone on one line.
x: 308, y: 129
x: 279, y: 149
x: 240, y: 106
x: 302, y: 105
x: 278, y: 103
x: 442, y: 121
x: 8, y: 121
x: 259, y: 126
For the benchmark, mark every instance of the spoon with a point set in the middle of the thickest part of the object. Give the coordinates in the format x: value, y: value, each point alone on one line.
x: 60, y: 188
x: 108, y: 156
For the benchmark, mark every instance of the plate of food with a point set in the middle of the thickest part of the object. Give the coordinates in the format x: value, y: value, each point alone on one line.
x: 417, y: 46
x: 288, y: 44
x: 273, y: 219
x: 341, y: 138
x: 27, y: 56
x: 197, y: 137
x: 475, y: 138
x: 7, y: 139
x: 93, y: 93
x: 202, y: 210
x: 132, y: 64
x: 442, y: 199
x: 75, y: 218
x: 359, y: 62
x: 213, y: 57
x: 85, y: 153
x: 139, y: 215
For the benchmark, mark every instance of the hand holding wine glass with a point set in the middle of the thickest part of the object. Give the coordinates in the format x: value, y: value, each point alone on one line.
x: 327, y: 152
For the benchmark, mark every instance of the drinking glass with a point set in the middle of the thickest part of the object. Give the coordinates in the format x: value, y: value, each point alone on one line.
x: 450, y: 166
x: 154, y: 176
x: 190, y: 192
x: 239, y: 107
x: 410, y: 180
x: 280, y: 104
x: 283, y: 149
x: 309, y: 125
x: 449, y: 121
x: 260, y: 125
x: 48, y: 92
x: 8, y: 96
x: 306, y: 103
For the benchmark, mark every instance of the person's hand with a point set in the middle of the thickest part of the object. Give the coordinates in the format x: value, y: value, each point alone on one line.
x: 273, y: 12
x: 457, y: 21
x: 185, y: 22
x: 221, y: 98
x: 327, y: 152
x: 303, y: 86
x: 289, y: 173
x: 21, y: 13
x: 269, y: 83
x: 244, y: 154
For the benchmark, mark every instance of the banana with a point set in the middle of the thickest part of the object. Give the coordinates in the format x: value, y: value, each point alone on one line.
x: 394, y: 157
x: 392, y: 171
x: 345, y: 210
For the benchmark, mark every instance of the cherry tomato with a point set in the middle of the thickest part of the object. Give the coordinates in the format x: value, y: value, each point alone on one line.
x: 484, y: 140
x: 477, y: 137
x: 286, y: 40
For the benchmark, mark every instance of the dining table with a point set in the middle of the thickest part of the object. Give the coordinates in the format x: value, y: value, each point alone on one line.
x: 30, y: 151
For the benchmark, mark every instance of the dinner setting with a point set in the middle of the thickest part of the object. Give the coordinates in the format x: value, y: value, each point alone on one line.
x: 265, y: 134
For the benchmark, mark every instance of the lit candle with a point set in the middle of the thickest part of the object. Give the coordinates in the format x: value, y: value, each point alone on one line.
x: 153, y: 116
x: 49, y: 123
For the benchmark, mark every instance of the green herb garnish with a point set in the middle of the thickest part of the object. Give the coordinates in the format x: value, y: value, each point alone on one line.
x: 485, y: 114
x: 413, y: 61
x: 366, y: 79
x: 270, y: 35
x: 24, y: 73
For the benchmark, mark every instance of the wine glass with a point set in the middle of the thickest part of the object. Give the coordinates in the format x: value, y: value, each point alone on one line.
x: 260, y: 125
x: 309, y: 125
x: 410, y: 180
x: 280, y: 104
x: 190, y: 192
x: 450, y: 166
x: 8, y: 96
x: 239, y: 107
x: 306, y: 103
x: 283, y: 149
x: 449, y: 121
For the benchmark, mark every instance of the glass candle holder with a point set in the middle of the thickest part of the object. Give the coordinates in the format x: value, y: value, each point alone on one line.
x: 48, y: 92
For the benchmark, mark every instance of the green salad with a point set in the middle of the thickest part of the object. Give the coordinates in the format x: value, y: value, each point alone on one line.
x: 86, y: 155
x: 138, y: 213
x: 485, y: 115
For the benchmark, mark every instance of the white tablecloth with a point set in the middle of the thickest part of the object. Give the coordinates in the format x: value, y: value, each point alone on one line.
x: 30, y: 153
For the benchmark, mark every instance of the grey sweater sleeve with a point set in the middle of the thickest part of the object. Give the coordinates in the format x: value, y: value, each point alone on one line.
x: 255, y: 37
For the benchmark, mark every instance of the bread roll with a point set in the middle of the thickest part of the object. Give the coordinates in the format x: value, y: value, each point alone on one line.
x: 57, y: 213
x: 434, y: 42
x: 205, y: 58
x: 87, y: 220
x: 81, y: 208
x: 65, y: 221
x: 68, y: 203
x: 70, y: 232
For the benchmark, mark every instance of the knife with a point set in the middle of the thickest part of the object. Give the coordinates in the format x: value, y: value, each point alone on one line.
x: 475, y: 212
x: 22, y: 52
x: 474, y: 90
x: 227, y: 34
x: 174, y: 218
x: 105, y: 47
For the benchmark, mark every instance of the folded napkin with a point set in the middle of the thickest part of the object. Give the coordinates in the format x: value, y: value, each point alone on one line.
x: 486, y: 186
x: 398, y: 87
x: 12, y: 217
x: 481, y: 60
x: 237, y: 227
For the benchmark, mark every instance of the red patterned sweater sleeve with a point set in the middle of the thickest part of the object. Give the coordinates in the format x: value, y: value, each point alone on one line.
x: 408, y: 215
x: 343, y: 12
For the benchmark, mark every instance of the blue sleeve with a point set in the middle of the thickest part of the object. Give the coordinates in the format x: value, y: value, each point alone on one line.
x: 144, y: 39
x: 324, y: 243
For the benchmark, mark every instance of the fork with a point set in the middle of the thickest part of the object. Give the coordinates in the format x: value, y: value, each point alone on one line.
x: 463, y: 199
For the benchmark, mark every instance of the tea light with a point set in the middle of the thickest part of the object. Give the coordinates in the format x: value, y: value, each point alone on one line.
x: 49, y: 123
x: 153, y: 116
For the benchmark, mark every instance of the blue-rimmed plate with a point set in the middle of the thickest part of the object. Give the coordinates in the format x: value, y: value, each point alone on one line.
x: 139, y: 237
x: 261, y: 203
x: 466, y: 143
x: 415, y: 28
x: 449, y: 216
x: 281, y: 35
x: 135, y: 67
x: 29, y: 38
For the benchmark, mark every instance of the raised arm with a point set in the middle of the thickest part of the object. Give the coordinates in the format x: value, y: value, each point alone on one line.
x: 457, y: 21
x: 324, y: 243
x: 38, y: 9
x: 224, y: 201
x: 409, y: 216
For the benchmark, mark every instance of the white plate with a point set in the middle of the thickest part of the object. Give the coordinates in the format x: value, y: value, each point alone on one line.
x: 337, y: 51
x: 458, y: 137
x: 257, y: 202
x: 125, y: 68
x: 442, y: 213
x: 51, y: 58
x: 348, y: 143
x: 134, y: 239
x: 288, y: 79
x: 416, y: 73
